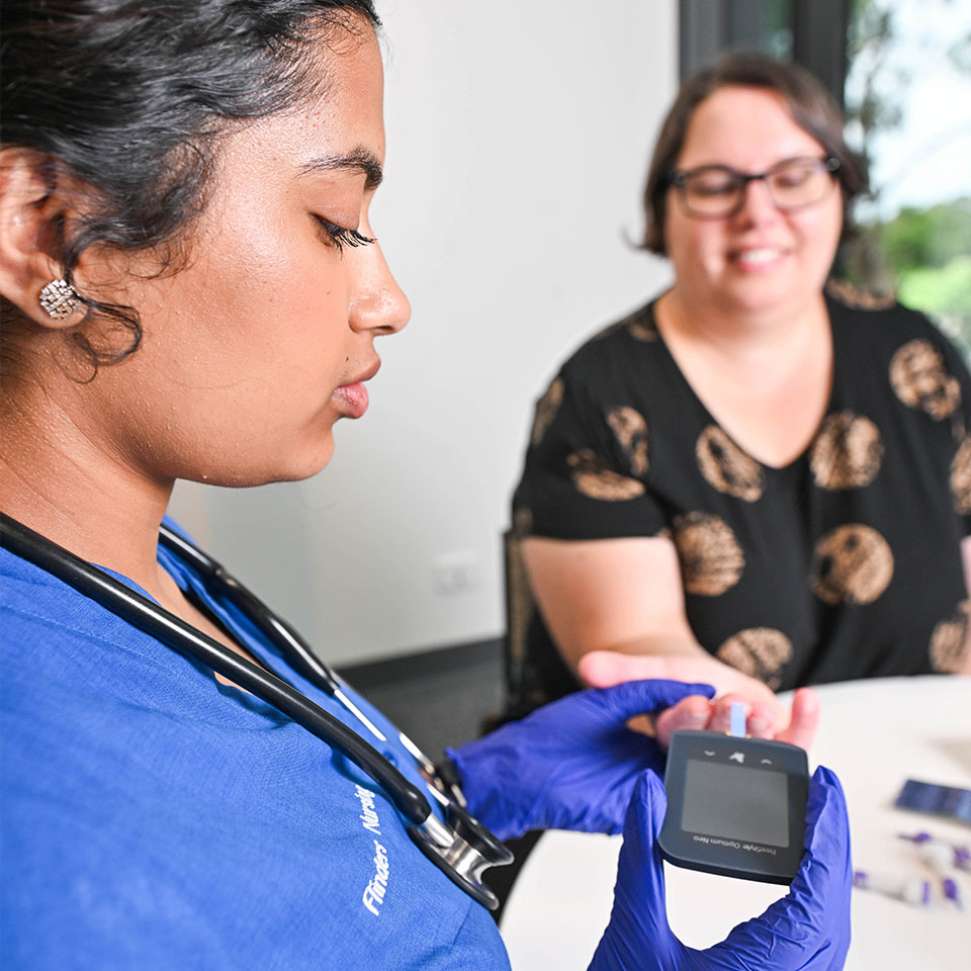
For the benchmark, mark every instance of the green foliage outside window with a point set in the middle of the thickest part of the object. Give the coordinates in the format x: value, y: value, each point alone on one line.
x: 921, y: 254
x: 927, y: 254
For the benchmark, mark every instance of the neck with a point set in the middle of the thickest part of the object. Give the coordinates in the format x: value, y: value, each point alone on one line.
x: 71, y: 488
x: 774, y: 335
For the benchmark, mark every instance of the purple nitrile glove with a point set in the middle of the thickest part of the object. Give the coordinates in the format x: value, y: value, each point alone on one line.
x: 570, y: 765
x: 809, y: 929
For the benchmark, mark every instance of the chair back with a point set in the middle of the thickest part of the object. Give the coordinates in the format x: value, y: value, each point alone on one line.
x: 520, y: 607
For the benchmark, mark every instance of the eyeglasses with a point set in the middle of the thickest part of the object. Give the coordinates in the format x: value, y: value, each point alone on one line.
x: 718, y: 191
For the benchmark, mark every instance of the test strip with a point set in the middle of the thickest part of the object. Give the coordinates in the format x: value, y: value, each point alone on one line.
x: 961, y: 854
x: 737, y: 719
x: 913, y: 891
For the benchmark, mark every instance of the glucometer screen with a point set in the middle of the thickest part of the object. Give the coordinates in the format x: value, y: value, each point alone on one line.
x: 736, y: 806
x: 737, y: 803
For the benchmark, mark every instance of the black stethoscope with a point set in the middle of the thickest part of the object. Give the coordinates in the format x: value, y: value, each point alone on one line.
x: 462, y: 848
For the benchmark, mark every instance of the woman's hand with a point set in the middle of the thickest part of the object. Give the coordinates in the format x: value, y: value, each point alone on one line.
x: 570, y: 765
x: 766, y: 715
x: 809, y: 929
x: 628, y: 592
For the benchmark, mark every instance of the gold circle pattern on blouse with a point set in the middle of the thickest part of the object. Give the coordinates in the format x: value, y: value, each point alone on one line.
x: 711, y: 558
x: 858, y: 298
x: 726, y: 467
x: 961, y: 477
x: 949, y: 641
x: 595, y: 479
x: 921, y: 380
x: 546, y: 409
x: 853, y: 564
x: 759, y: 652
x: 643, y: 329
x: 522, y: 521
x: 630, y: 429
x: 847, y: 452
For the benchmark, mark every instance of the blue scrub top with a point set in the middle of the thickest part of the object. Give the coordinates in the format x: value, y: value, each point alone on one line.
x: 153, y: 818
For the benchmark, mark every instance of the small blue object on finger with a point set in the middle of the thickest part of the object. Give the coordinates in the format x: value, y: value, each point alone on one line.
x: 737, y: 720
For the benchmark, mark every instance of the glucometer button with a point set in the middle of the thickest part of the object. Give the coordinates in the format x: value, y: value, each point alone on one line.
x: 766, y: 762
x: 737, y: 757
x: 709, y: 753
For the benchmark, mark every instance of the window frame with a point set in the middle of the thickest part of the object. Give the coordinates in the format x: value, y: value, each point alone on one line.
x: 709, y: 28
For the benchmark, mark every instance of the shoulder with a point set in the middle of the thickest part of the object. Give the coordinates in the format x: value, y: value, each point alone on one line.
x: 876, y: 316
x: 636, y: 329
x: 33, y: 597
x: 72, y: 665
x: 40, y: 609
x: 619, y: 354
x: 880, y: 326
x: 849, y: 296
x: 609, y: 370
x: 31, y: 601
x: 893, y: 354
x: 611, y: 360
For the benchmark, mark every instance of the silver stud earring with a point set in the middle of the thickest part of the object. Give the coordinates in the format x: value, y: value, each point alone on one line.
x: 59, y: 299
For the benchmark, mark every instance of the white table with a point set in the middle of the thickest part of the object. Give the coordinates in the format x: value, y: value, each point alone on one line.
x: 874, y: 734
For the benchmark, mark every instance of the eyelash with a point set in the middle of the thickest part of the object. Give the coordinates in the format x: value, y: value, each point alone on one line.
x: 341, y: 236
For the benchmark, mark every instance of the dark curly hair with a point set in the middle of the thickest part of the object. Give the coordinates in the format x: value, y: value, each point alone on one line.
x: 809, y: 103
x: 128, y: 97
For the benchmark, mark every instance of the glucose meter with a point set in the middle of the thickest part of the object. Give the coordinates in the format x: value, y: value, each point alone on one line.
x: 736, y: 806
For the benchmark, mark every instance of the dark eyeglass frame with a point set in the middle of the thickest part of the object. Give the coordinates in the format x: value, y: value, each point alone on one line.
x: 678, y: 179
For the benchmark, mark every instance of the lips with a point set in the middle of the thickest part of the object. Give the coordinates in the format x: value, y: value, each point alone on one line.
x: 756, y: 257
x: 352, y: 397
x: 366, y: 374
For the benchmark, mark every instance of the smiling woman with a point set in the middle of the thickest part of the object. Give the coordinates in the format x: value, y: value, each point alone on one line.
x: 801, y: 454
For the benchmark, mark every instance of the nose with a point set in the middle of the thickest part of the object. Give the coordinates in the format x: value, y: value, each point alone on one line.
x: 378, y: 304
x: 757, y: 205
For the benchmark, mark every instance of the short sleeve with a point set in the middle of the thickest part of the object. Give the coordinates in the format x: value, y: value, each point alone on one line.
x: 587, y: 463
x: 958, y: 379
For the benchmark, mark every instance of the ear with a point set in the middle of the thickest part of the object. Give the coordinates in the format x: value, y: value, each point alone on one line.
x: 31, y: 220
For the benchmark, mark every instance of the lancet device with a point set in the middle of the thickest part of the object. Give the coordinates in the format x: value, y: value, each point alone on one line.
x: 736, y: 806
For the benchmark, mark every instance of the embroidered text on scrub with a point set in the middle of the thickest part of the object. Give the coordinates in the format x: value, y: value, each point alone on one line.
x: 369, y: 815
x: 373, y: 896
x: 377, y: 887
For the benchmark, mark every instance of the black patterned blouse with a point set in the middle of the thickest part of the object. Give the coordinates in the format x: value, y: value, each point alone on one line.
x: 845, y: 563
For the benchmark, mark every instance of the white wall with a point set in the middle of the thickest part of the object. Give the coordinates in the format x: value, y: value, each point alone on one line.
x: 518, y: 134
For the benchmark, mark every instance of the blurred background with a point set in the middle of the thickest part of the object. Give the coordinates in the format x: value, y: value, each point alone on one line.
x: 518, y: 141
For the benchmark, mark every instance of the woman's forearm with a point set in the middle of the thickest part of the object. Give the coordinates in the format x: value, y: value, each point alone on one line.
x: 675, y: 645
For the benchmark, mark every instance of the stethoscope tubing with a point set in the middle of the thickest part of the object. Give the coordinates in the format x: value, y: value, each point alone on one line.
x: 154, y: 620
x: 293, y: 646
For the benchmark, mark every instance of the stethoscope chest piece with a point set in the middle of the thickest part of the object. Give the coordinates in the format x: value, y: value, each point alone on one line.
x: 463, y: 850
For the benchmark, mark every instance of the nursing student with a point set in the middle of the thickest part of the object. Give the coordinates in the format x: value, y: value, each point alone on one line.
x: 191, y: 288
